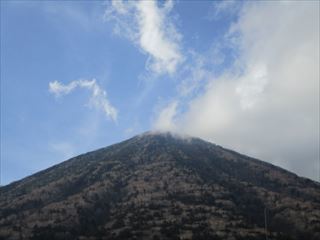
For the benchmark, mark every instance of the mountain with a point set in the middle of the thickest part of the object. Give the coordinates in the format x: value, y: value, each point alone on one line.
x: 161, y: 186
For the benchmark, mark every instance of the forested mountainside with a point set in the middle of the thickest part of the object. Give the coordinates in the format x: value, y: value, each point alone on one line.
x: 161, y: 186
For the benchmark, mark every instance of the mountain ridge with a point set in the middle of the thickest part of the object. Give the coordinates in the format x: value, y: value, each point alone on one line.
x: 161, y: 186
x: 176, y: 135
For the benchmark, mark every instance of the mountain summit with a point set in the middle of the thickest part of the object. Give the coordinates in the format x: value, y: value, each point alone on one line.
x: 161, y: 186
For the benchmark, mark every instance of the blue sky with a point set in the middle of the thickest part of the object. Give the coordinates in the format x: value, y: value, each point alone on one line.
x: 80, y: 75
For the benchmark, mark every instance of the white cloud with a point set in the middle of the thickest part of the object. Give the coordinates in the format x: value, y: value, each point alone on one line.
x: 269, y: 108
x: 148, y: 26
x: 165, y: 120
x: 251, y: 86
x: 98, y: 95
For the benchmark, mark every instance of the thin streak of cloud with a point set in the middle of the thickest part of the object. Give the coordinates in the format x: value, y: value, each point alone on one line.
x: 98, y: 95
x: 150, y: 28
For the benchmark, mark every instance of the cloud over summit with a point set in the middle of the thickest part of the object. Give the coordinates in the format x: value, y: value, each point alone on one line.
x: 267, y: 104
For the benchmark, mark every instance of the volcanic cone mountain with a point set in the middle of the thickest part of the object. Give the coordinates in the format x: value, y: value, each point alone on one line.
x: 161, y: 186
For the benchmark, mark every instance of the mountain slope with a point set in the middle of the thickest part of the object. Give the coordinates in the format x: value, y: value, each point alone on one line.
x: 159, y: 186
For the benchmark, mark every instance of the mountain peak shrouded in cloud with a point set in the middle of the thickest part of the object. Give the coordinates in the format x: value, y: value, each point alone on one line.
x: 243, y: 74
x: 166, y: 134
x: 267, y: 103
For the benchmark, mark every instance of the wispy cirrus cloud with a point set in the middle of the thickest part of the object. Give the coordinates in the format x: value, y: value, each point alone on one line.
x: 148, y: 26
x: 98, y: 97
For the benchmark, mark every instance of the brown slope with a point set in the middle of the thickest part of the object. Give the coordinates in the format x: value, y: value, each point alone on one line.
x: 157, y: 186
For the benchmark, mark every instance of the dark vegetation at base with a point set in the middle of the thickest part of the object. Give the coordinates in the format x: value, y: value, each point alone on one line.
x: 161, y: 187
